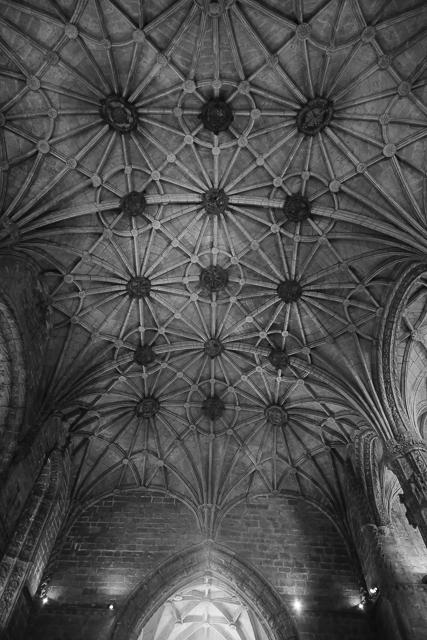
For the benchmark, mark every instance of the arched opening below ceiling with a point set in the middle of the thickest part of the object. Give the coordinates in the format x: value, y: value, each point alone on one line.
x: 223, y: 598
x: 204, y: 611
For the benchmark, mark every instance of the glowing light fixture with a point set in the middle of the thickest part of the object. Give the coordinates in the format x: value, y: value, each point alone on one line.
x: 297, y: 605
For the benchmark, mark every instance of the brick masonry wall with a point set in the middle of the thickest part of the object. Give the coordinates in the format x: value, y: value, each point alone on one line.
x: 302, y: 554
x: 117, y: 542
x: 110, y: 549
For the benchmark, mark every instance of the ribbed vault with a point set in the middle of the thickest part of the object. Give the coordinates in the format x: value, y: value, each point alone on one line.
x: 203, y: 612
x: 219, y: 195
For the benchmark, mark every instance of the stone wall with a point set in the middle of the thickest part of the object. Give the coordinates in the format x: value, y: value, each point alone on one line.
x: 110, y: 548
x: 122, y: 538
x: 301, y: 552
x: 392, y: 560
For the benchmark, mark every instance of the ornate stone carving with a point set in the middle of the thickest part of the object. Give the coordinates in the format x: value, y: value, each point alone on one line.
x: 10, y: 591
x: 214, y: 278
x: 213, y: 347
x: 289, y: 291
x: 365, y: 443
x: 297, y: 207
x: 139, y: 287
x: 276, y: 415
x: 278, y: 359
x: 404, y: 443
x: 216, y: 116
x: 215, y: 201
x: 213, y: 407
x: 408, y: 512
x: 5, y: 568
x: 147, y: 408
x: 387, y: 364
x: 134, y: 204
x: 14, y: 568
x: 144, y: 355
x: 315, y: 116
x: 119, y: 114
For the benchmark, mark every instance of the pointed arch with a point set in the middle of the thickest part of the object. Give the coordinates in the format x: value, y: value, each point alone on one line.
x: 224, y: 568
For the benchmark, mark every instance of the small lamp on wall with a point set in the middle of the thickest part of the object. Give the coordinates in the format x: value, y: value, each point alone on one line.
x: 297, y: 605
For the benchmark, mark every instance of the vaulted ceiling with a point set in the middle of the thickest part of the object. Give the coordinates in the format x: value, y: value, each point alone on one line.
x: 217, y: 196
x: 203, y: 612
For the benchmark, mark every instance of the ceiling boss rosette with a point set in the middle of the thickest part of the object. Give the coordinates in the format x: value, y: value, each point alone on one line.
x: 216, y: 194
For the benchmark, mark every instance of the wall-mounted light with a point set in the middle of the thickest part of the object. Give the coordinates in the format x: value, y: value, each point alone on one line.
x: 361, y: 605
x: 111, y: 606
x: 45, y: 600
x: 297, y: 605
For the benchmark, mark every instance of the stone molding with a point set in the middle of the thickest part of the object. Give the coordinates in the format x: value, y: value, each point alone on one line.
x: 365, y: 443
x: 406, y: 453
x: 206, y: 559
x: 14, y: 378
x: 387, y: 362
x: 19, y: 555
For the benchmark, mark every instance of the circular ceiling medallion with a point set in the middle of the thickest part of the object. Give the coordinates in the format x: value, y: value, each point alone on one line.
x: 144, y: 355
x: 214, y: 278
x: 213, y: 407
x: 276, y: 415
x: 289, y: 291
x: 119, y: 114
x: 147, y: 408
x: 215, y: 201
x: 216, y: 116
x: 297, y: 207
x: 278, y: 359
x: 315, y: 116
x: 139, y: 287
x: 213, y: 347
x: 134, y: 204
x: 214, y: 9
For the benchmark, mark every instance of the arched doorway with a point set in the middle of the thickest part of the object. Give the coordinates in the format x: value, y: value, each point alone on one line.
x: 203, y: 575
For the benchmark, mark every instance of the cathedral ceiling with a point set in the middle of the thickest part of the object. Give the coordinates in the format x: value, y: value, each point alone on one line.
x: 217, y: 195
x: 203, y: 612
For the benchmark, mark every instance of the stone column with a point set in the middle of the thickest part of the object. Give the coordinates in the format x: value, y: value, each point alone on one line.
x: 20, y: 554
x: 407, y: 458
x: 398, y: 606
x: 407, y: 454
